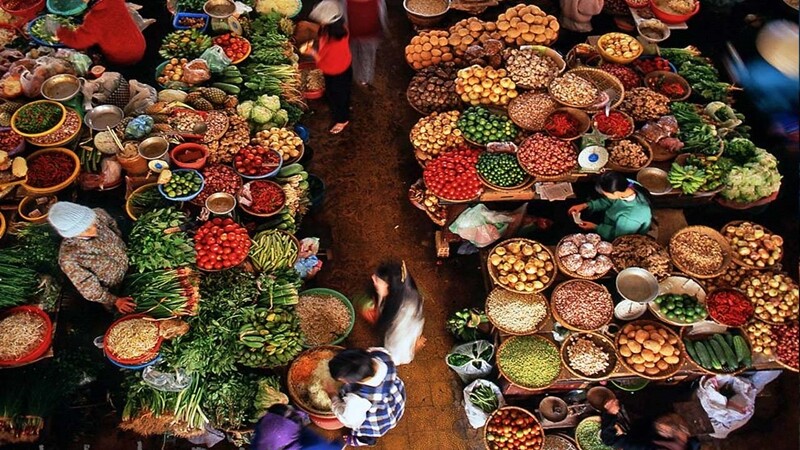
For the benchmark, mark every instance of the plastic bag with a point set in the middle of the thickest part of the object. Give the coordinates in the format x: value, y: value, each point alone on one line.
x: 111, y: 171
x: 140, y: 21
x: 216, y: 58
x: 476, y: 416
x: 480, y: 225
x: 471, y: 360
x: 80, y: 62
x: 143, y: 96
x: 729, y: 402
x: 99, y: 91
x: 196, y: 71
x: 166, y: 381
x: 139, y: 127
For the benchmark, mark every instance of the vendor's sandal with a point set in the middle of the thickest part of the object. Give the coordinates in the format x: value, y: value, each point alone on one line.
x: 339, y: 127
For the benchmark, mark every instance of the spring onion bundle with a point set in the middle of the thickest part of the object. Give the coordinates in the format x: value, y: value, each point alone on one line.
x: 17, y: 282
x: 165, y: 293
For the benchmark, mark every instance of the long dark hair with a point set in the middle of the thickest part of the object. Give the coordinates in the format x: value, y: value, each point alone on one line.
x: 402, y: 288
x: 617, y: 182
x: 335, y: 30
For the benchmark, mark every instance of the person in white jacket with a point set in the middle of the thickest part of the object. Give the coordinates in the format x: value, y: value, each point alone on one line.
x: 400, y: 315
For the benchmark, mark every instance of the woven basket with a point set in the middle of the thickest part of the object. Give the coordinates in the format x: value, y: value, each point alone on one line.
x: 600, y: 341
x: 603, y: 81
x: 713, y: 234
x: 507, y: 408
x: 572, y: 274
x: 686, y: 336
x: 557, y: 316
x: 550, y: 53
x: 670, y: 77
x: 495, y: 276
x: 121, y: 96
x: 661, y: 375
x: 524, y: 185
x: 735, y: 255
x: 500, y: 367
x: 645, y: 146
x: 625, y: 115
x: 518, y: 121
x: 292, y: 381
x: 642, y: 239
x: 584, y: 122
x: 531, y: 299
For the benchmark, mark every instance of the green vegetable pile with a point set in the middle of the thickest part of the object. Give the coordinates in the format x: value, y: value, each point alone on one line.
x: 720, y: 352
x: 183, y: 184
x: 698, y: 136
x: 263, y: 113
x: 39, y: 28
x: 531, y: 362
x: 149, y: 248
x: 740, y: 150
x: 187, y: 44
x: 699, y: 72
x: 37, y: 244
x: 479, y: 125
x: 269, y: 337
x: 474, y: 355
x: 165, y: 293
x: 147, y: 200
x: 588, y: 436
x: 484, y: 398
x: 682, y: 308
x: 17, y: 282
x: 756, y: 179
x: 38, y: 117
x: 273, y: 250
x: 501, y: 169
x: 464, y: 324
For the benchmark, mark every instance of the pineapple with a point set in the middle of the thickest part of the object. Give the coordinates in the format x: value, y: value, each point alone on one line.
x: 214, y: 95
x: 202, y: 104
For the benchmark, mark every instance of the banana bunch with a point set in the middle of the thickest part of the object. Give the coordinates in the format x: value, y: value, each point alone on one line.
x: 279, y: 288
x: 716, y: 169
x: 294, y: 180
x: 270, y: 337
x: 689, y: 179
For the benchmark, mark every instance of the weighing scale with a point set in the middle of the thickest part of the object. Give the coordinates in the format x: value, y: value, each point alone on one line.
x: 638, y: 287
x: 222, y: 16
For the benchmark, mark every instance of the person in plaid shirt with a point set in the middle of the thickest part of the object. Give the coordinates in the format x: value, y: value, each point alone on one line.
x: 372, y: 399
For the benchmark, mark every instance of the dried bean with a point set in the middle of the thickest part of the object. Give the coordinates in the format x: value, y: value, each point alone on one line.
x: 586, y: 357
x: 545, y: 155
x: 583, y: 304
x: 529, y: 361
x: 530, y: 110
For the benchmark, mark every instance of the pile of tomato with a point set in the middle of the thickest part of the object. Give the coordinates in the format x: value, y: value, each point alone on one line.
x: 235, y: 47
x: 513, y: 429
x: 221, y: 244
x: 454, y: 176
x: 255, y: 160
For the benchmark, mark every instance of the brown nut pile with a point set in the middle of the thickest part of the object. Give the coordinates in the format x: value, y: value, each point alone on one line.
x: 546, y: 156
x: 586, y: 357
x: 522, y: 266
x: 428, y: 48
x: 585, y: 254
x: 427, y: 7
x: 468, y: 32
x: 435, y: 134
x: 649, y: 349
x: 644, y: 104
x: 754, y: 245
x: 434, y: 89
x: 574, y: 90
x: 774, y: 295
x: 284, y: 141
x: 217, y: 124
x: 627, y: 153
x: 531, y: 68
x: 761, y: 337
x: 527, y: 24
x: 529, y: 110
x: 619, y: 45
x: 582, y: 304
x: 733, y: 277
x: 641, y: 251
x: 237, y: 136
x: 697, y: 252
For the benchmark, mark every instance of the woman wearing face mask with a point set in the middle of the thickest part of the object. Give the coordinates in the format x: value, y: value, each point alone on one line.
x: 399, y: 308
x: 624, y: 203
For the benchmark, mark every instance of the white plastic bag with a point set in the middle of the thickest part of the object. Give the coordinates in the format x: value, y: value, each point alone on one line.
x: 476, y: 416
x: 476, y: 358
x: 731, y: 411
x: 480, y: 225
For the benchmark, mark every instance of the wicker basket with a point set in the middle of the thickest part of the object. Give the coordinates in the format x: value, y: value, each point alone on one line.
x: 292, y: 381
x: 713, y: 234
x: 495, y: 276
x: 682, y: 285
x: 645, y: 146
x: 681, y: 161
x: 499, y: 295
x: 640, y: 240
x: 507, y: 408
x: 548, y: 52
x: 661, y: 375
x: 572, y: 274
x: 603, y: 81
x: 739, y: 261
x: 583, y: 120
x: 651, y: 80
x: 627, y: 117
x: 613, y: 58
x: 600, y: 341
x: 518, y: 121
x: 686, y: 336
x: 557, y: 316
x: 524, y: 185
x: 502, y: 372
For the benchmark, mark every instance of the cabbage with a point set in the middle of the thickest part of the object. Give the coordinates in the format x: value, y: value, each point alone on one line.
x: 281, y: 118
x: 260, y: 115
x: 244, y: 109
x: 271, y: 102
x: 753, y: 181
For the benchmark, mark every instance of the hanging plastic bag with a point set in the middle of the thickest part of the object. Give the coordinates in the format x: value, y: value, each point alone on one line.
x: 480, y: 225
x: 729, y: 402
x: 143, y: 96
x: 139, y: 127
x: 216, y: 58
x: 476, y: 415
x: 196, y: 71
x: 471, y: 360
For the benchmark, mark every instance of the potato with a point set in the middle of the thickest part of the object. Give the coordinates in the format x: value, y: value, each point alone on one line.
x: 639, y: 368
x: 667, y: 350
x: 662, y: 365
x: 637, y: 359
x: 652, y: 371
x: 623, y: 339
x: 648, y: 355
x: 649, y: 364
x: 672, y: 360
x: 634, y: 346
x: 625, y: 351
x: 641, y: 336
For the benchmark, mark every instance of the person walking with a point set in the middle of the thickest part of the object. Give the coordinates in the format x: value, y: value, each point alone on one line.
x: 92, y: 255
x: 372, y: 399
x: 367, y: 23
x: 399, y: 311
x: 625, y: 206
x: 334, y: 59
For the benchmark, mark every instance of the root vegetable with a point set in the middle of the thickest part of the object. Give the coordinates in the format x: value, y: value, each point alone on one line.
x: 627, y: 153
x: 774, y: 295
x: 542, y: 155
x: 755, y: 246
x: 485, y: 86
x: 527, y: 24
x: 428, y: 48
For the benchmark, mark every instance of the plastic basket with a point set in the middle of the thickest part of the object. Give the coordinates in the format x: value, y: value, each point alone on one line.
x: 341, y: 297
x: 181, y: 15
x: 66, y: 7
x: 185, y: 198
x: 26, y: 13
x: 40, y: 349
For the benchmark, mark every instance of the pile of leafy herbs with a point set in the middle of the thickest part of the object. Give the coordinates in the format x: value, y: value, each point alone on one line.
x: 38, y: 246
x: 699, y: 72
x: 149, y: 248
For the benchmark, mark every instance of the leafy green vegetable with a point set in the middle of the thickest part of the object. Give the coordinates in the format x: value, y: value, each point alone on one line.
x: 228, y: 400
x: 697, y: 135
x: 699, y: 72
x: 17, y: 282
x: 753, y: 181
x: 149, y: 248
x: 740, y: 150
x: 38, y: 245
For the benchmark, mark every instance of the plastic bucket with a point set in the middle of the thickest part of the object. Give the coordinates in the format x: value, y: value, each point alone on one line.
x: 182, y: 150
x: 316, y: 188
x: 133, y: 166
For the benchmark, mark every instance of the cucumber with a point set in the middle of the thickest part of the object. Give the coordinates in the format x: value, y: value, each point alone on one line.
x: 728, y: 338
x: 690, y: 349
x: 742, y: 351
x: 233, y: 80
x: 730, y: 358
x: 717, y: 356
x: 290, y: 170
x: 703, y: 357
x: 228, y: 88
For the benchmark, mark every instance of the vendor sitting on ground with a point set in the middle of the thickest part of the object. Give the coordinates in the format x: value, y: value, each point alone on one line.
x: 668, y: 432
x: 624, y: 203
x: 92, y: 254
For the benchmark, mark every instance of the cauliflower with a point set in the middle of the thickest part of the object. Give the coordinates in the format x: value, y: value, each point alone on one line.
x: 271, y: 102
x: 281, y: 118
x: 260, y: 114
x: 244, y: 109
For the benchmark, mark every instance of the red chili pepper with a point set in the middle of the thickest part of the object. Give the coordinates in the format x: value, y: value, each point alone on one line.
x: 730, y: 308
x: 562, y: 125
x: 614, y: 125
x: 49, y: 169
x: 267, y: 197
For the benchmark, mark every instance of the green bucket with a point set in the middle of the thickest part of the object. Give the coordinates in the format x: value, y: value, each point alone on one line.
x: 631, y: 385
x: 343, y: 299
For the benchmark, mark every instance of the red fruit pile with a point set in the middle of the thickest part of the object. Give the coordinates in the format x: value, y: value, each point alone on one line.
x: 453, y: 176
x: 788, y: 344
x: 235, y: 47
x: 513, y: 429
x: 647, y: 65
x: 255, y: 160
x: 221, y: 244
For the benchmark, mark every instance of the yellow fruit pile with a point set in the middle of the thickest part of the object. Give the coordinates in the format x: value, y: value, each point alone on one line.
x: 527, y: 24
x: 485, y: 86
x: 428, y: 48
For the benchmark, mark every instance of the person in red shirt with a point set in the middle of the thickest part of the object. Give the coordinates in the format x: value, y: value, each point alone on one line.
x: 366, y: 21
x: 109, y: 25
x: 334, y: 60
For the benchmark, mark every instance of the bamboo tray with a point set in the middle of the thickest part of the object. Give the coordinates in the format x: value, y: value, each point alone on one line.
x: 663, y: 375
x: 557, y: 316
x: 687, y: 334
x: 711, y: 233
x: 604, y: 82
x: 495, y: 276
x: 600, y: 341
x: 739, y: 261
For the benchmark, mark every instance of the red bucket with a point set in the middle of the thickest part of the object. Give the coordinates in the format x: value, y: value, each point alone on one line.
x: 22, y: 10
x: 41, y: 349
x: 311, y: 95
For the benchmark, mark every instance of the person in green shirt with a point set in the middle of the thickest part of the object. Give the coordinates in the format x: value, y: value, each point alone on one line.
x: 625, y: 204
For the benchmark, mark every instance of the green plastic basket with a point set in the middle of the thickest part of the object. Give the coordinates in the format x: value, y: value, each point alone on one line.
x: 66, y: 7
x: 343, y: 299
